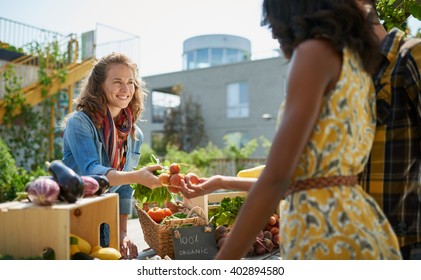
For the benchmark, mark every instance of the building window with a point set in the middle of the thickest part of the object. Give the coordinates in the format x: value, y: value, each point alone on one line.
x: 203, y: 60
x: 233, y: 55
x: 161, y: 102
x: 217, y: 56
x: 237, y: 100
x: 207, y: 57
x: 189, y: 61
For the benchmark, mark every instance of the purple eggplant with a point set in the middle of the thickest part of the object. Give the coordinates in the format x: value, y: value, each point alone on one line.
x: 71, y: 184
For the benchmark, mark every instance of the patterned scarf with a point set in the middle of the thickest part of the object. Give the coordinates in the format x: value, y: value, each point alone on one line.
x: 115, y: 135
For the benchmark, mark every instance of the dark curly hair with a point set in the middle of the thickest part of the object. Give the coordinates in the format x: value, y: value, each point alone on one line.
x: 340, y: 21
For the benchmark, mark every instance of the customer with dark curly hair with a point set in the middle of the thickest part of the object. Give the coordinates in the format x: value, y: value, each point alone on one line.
x: 323, y: 140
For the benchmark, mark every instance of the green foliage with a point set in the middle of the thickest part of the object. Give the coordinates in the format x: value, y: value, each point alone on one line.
x: 415, y: 11
x: 27, y: 134
x: 394, y: 13
x: 203, y: 156
x: 232, y: 151
x: 145, y: 154
x: 8, y: 172
x: 266, y: 144
x: 13, y: 179
x: 9, y: 47
x: 227, y: 211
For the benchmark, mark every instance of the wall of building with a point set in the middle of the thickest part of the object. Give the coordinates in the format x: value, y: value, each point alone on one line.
x: 207, y: 86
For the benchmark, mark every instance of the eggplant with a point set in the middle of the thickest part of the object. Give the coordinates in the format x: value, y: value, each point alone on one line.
x: 43, y: 191
x: 71, y: 184
x: 104, y: 184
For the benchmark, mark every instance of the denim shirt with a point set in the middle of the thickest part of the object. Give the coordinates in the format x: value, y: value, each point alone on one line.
x: 84, y: 147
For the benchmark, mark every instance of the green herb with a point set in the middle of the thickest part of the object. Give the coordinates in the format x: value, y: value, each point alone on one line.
x: 158, y: 195
x: 227, y: 211
x: 175, y: 216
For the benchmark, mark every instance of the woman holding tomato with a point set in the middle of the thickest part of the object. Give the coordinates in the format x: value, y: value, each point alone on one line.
x: 102, y: 137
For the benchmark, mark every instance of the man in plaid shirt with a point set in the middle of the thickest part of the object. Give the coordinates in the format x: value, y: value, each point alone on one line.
x: 393, y: 172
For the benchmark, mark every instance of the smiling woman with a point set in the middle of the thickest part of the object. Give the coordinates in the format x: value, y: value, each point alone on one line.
x: 119, y: 88
x: 102, y: 138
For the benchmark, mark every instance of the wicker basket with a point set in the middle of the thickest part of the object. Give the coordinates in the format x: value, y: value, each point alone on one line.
x: 159, y: 236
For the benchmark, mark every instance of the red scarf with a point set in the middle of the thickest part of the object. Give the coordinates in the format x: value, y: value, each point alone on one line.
x: 115, y: 135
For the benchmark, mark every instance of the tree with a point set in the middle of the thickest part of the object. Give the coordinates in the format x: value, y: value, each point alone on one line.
x: 395, y: 13
x: 184, y: 126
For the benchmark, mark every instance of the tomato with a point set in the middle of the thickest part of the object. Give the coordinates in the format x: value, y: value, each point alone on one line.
x: 156, y: 214
x: 174, y: 168
x: 272, y: 220
x: 164, y: 179
x: 274, y: 231
x: 167, y: 212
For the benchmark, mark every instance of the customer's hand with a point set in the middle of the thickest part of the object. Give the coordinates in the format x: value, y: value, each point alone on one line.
x: 205, y: 186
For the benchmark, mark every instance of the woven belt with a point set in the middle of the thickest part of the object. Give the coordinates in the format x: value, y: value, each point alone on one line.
x: 321, y: 182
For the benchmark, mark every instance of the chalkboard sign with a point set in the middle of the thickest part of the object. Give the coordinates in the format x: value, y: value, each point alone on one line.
x: 194, y: 243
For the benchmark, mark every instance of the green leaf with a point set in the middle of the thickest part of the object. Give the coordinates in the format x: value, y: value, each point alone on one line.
x: 415, y: 10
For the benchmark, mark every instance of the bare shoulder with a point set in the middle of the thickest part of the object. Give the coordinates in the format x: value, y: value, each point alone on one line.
x: 317, y: 49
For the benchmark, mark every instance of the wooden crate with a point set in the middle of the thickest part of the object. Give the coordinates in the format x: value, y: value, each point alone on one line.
x: 212, y: 200
x: 25, y: 228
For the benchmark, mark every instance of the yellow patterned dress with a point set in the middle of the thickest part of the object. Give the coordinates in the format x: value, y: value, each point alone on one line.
x: 338, y: 222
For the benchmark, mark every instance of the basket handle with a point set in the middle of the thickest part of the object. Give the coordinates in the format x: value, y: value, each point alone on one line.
x: 196, y: 209
x: 199, y: 211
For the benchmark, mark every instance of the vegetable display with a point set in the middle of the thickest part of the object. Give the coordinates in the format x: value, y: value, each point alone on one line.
x: 64, y: 185
x: 223, y: 218
x: 227, y: 211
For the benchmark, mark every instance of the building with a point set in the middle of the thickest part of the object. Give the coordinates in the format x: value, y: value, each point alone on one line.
x: 239, y: 97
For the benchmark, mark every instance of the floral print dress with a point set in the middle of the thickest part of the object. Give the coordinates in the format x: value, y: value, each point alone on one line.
x: 338, y: 222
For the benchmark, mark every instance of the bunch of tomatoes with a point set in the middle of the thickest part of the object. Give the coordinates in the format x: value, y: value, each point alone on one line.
x: 172, y: 178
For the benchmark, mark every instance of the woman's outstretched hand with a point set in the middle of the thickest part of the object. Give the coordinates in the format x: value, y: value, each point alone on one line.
x: 146, y: 176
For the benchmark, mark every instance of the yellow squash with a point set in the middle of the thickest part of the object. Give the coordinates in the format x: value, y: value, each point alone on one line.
x: 81, y: 243
x: 253, y: 172
x: 107, y: 253
x: 73, y: 246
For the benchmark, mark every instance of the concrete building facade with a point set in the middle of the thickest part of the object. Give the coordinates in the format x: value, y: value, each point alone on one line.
x: 262, y: 80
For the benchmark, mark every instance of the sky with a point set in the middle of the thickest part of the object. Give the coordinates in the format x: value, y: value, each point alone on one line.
x: 161, y: 25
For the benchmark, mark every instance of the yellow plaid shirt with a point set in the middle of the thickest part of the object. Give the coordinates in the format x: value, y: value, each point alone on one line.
x: 393, y: 173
